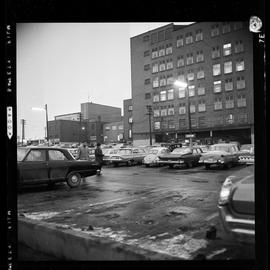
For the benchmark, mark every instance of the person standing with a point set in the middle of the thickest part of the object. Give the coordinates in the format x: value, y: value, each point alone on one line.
x: 83, y: 152
x: 99, y: 158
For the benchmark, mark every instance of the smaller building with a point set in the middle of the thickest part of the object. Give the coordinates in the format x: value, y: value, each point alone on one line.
x: 128, y: 120
x: 69, y: 116
x: 113, y: 132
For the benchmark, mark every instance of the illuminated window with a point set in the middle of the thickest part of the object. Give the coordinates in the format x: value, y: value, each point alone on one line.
x: 161, y: 52
x: 200, y: 73
x: 154, y: 53
x: 218, y: 104
x: 228, y: 67
x: 170, y: 94
x: 170, y: 79
x: 130, y: 133
x: 229, y: 119
x: 179, y: 41
x: 217, y: 86
x: 171, y: 111
x: 199, y: 35
x: 201, y: 106
x: 191, y: 90
x: 169, y: 49
x: 189, y: 58
x: 162, y: 95
x: 227, y: 49
x: 228, y: 84
x: 182, y: 93
x: 201, y: 90
x: 200, y: 56
x: 182, y: 108
x: 155, y: 82
x: 216, y: 69
x: 169, y: 64
x: 162, y: 66
x: 156, y: 113
x: 189, y: 38
x: 240, y: 65
x: 157, y: 125
x: 130, y: 107
x: 163, y: 112
x: 240, y: 82
x: 130, y: 120
x: 155, y: 68
x: 162, y: 81
x: 180, y: 61
x: 192, y: 108
x: 229, y: 104
x: 120, y: 127
x: 114, y: 127
x: 241, y: 101
x: 190, y: 75
x: 156, y: 98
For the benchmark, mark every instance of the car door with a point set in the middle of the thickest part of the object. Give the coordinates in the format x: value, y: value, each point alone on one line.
x: 34, y: 167
x: 57, y: 165
x: 135, y: 154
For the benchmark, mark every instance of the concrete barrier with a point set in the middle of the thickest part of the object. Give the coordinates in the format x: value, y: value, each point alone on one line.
x: 67, y: 244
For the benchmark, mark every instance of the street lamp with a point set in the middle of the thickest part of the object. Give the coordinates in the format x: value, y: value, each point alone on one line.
x: 47, y: 126
x: 184, y: 85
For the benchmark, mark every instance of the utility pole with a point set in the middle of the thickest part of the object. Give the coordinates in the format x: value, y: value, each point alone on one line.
x: 189, y: 119
x: 80, y: 128
x: 23, y: 124
x: 47, y: 124
x: 149, y: 113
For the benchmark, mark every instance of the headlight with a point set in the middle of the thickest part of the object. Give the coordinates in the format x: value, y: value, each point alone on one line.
x: 225, y: 190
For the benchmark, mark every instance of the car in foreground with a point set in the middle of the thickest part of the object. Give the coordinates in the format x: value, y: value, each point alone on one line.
x: 221, y: 154
x: 185, y: 155
x: 152, y: 157
x: 47, y: 165
x: 246, y: 154
x: 237, y: 205
x: 128, y: 156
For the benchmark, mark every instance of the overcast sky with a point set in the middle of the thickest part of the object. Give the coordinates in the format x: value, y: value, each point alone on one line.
x: 66, y: 64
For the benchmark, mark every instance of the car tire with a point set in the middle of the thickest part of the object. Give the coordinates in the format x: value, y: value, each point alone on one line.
x: 147, y: 165
x: 189, y: 165
x: 171, y: 166
x: 207, y: 166
x: 115, y: 164
x: 74, y: 180
x: 129, y: 163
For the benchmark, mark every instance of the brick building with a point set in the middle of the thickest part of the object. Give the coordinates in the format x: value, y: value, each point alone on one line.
x: 215, y: 59
x: 113, y: 132
x: 128, y: 120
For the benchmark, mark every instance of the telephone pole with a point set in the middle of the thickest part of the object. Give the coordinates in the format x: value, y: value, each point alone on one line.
x: 23, y: 125
x: 149, y: 113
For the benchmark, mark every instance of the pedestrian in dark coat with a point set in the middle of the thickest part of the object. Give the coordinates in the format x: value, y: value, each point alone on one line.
x: 99, y: 158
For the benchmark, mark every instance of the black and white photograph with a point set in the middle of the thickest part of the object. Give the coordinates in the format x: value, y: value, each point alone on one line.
x: 135, y: 141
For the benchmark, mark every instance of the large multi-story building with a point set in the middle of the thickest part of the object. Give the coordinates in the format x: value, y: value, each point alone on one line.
x: 215, y: 62
x: 128, y: 120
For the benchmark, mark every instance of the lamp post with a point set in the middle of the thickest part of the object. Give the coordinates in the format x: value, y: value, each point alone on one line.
x: 47, y: 126
x: 184, y: 85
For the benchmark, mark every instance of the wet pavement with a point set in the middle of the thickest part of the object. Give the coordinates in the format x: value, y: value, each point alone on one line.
x: 161, y: 209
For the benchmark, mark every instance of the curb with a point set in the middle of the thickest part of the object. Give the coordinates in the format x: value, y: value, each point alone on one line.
x: 67, y: 244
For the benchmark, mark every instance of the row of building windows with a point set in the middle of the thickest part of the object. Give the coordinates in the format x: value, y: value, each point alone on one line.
x: 120, y: 127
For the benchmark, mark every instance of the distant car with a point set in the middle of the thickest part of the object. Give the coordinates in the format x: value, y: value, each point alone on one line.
x: 237, y: 205
x: 152, y: 157
x: 108, y: 153
x: 221, y: 154
x: 128, y: 156
x: 184, y: 155
x: 47, y: 165
x: 246, y: 154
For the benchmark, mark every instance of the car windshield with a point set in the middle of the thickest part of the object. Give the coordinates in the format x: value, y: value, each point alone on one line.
x: 219, y: 148
x: 181, y: 151
x: 21, y: 152
x: 247, y: 147
x: 124, y: 152
x: 153, y: 151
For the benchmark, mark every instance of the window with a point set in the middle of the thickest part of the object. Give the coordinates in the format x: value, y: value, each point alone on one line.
x: 229, y: 102
x: 193, y: 122
x: 171, y: 124
x: 36, y: 155
x: 189, y: 38
x: 240, y: 65
x: 161, y: 52
x: 146, y: 67
x: 169, y: 49
x: 182, y: 108
x: 147, y: 96
x: 130, y: 120
x: 161, y: 35
x: 191, y: 90
x: 201, y: 106
x: 157, y: 125
x: 156, y: 98
x: 169, y: 64
x: 130, y: 107
x: 130, y: 133
x: 229, y: 119
x: 162, y: 95
x: 242, y: 118
x: 202, y: 121
x: 146, y: 38
x: 162, y: 66
x: 156, y: 113
x: 164, y: 125
x: 227, y: 49
x: 114, y: 127
x: 182, y: 93
x: 218, y: 104
x: 228, y: 84
x: 200, y: 57
x: 190, y: 75
x: 169, y: 79
x: 155, y: 68
x: 189, y: 58
x: 146, y: 53
x: 120, y: 127
x: 162, y: 81
x: 240, y: 82
x: 216, y: 69
x: 163, y: 112
x: 155, y: 82
x: 154, y: 53
x: 180, y: 61
x: 182, y: 123
x: 179, y: 41
x: 107, y: 128
x: 237, y: 26
x: 239, y: 46
x: 217, y: 86
x: 241, y: 101
x: 56, y: 155
x: 215, y: 52
x: 200, y: 73
x: 201, y: 90
x: 154, y: 38
x: 227, y: 67
x: 199, y: 35
x: 192, y: 108
x: 147, y: 81
x: 215, y: 30
x: 171, y: 111
x: 226, y: 28
x: 170, y: 94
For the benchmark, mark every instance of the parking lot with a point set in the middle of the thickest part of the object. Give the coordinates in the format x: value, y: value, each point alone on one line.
x: 158, y: 208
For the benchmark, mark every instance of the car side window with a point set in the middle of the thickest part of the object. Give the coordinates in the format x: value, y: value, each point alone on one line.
x: 135, y: 151
x: 56, y: 155
x: 194, y: 151
x: 36, y: 155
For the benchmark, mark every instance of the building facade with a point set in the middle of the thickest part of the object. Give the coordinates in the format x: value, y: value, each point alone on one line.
x: 128, y: 120
x: 69, y: 116
x: 215, y: 61
x: 113, y: 132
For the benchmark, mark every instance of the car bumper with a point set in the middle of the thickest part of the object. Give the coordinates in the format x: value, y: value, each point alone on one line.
x: 170, y: 162
x: 242, y: 229
x: 206, y: 161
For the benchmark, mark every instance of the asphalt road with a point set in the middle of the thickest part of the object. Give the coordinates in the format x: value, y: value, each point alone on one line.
x: 162, y: 209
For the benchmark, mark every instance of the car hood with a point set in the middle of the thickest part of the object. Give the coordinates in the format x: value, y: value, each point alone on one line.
x: 151, y: 156
x: 171, y: 156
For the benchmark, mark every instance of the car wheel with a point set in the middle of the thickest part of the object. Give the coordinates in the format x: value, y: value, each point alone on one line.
x: 129, y: 163
x: 74, y: 180
x: 189, y: 165
x: 207, y: 166
x: 171, y: 166
x: 115, y: 164
x: 51, y: 185
x: 229, y: 165
x: 147, y: 165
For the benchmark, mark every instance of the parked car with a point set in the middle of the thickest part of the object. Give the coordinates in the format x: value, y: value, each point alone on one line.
x: 237, y: 205
x: 108, y: 153
x: 246, y: 154
x: 205, y: 148
x: 128, y: 156
x: 73, y: 151
x: 47, y: 165
x: 152, y: 157
x: 185, y: 155
x: 222, y: 154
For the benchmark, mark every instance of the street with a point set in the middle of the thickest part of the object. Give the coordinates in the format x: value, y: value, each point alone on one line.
x: 157, y: 208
